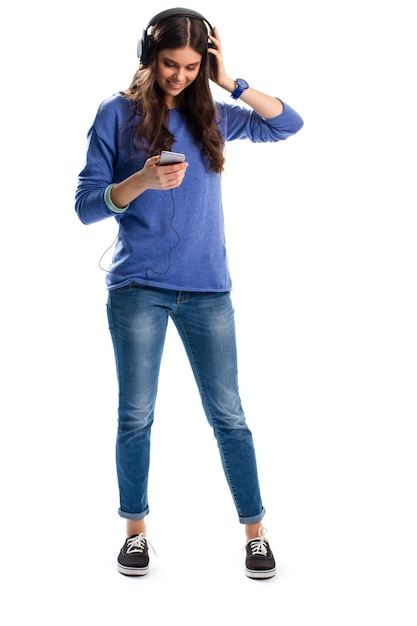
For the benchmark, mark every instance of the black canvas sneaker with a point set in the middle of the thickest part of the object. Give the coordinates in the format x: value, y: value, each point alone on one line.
x: 260, y: 562
x: 133, y: 559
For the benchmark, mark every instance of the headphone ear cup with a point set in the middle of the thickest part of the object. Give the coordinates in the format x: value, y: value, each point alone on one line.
x: 144, y: 48
x: 140, y: 46
x: 212, y: 59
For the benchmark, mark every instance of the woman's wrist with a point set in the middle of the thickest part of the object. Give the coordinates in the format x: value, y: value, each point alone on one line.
x: 228, y: 84
x: 119, y: 196
x: 109, y: 202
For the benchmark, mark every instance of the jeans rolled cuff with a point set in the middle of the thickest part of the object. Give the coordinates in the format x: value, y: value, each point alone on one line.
x: 254, y: 519
x: 133, y: 516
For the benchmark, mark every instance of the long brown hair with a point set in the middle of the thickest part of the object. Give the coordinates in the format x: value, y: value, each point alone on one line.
x: 196, y: 101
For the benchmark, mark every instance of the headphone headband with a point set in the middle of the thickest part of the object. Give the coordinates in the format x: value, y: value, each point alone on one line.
x: 178, y: 12
x: 145, y: 44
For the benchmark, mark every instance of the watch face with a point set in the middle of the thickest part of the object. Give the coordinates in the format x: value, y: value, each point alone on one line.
x: 242, y: 84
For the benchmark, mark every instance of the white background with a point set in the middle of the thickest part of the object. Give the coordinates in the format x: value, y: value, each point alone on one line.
x: 321, y: 232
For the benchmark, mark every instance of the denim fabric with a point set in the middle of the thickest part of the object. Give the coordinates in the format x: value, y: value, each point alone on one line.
x: 138, y: 318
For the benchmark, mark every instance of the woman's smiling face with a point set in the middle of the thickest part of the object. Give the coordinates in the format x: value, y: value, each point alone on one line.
x: 176, y: 69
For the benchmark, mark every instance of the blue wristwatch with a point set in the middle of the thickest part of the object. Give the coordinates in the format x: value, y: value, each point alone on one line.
x: 241, y: 85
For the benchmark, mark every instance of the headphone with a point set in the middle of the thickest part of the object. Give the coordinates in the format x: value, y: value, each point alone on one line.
x: 146, y: 44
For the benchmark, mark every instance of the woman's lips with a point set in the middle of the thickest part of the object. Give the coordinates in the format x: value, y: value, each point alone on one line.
x: 175, y: 85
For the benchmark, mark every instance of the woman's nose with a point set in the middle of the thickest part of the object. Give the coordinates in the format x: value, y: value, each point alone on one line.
x: 179, y: 75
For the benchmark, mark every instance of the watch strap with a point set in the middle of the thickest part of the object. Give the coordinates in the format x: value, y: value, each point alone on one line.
x: 240, y: 86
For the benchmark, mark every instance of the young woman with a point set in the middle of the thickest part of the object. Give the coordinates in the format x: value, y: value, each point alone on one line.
x: 170, y: 260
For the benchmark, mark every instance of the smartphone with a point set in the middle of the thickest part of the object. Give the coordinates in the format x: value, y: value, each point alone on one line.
x: 168, y: 158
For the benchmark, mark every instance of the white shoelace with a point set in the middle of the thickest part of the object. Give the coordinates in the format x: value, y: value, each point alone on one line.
x: 259, y: 545
x: 137, y: 544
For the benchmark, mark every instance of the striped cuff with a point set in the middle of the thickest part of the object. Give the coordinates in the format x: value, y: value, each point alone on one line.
x: 109, y: 203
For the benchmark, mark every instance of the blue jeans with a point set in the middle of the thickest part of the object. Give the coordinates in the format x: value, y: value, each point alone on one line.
x: 138, y: 318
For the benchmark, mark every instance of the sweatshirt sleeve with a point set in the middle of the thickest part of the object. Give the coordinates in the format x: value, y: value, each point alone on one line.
x: 98, y: 172
x: 238, y: 122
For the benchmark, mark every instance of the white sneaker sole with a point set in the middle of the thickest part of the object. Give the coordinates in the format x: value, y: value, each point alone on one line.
x: 268, y: 573
x: 132, y: 571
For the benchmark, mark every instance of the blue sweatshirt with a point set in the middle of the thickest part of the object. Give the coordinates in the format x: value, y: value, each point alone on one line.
x: 169, y: 239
